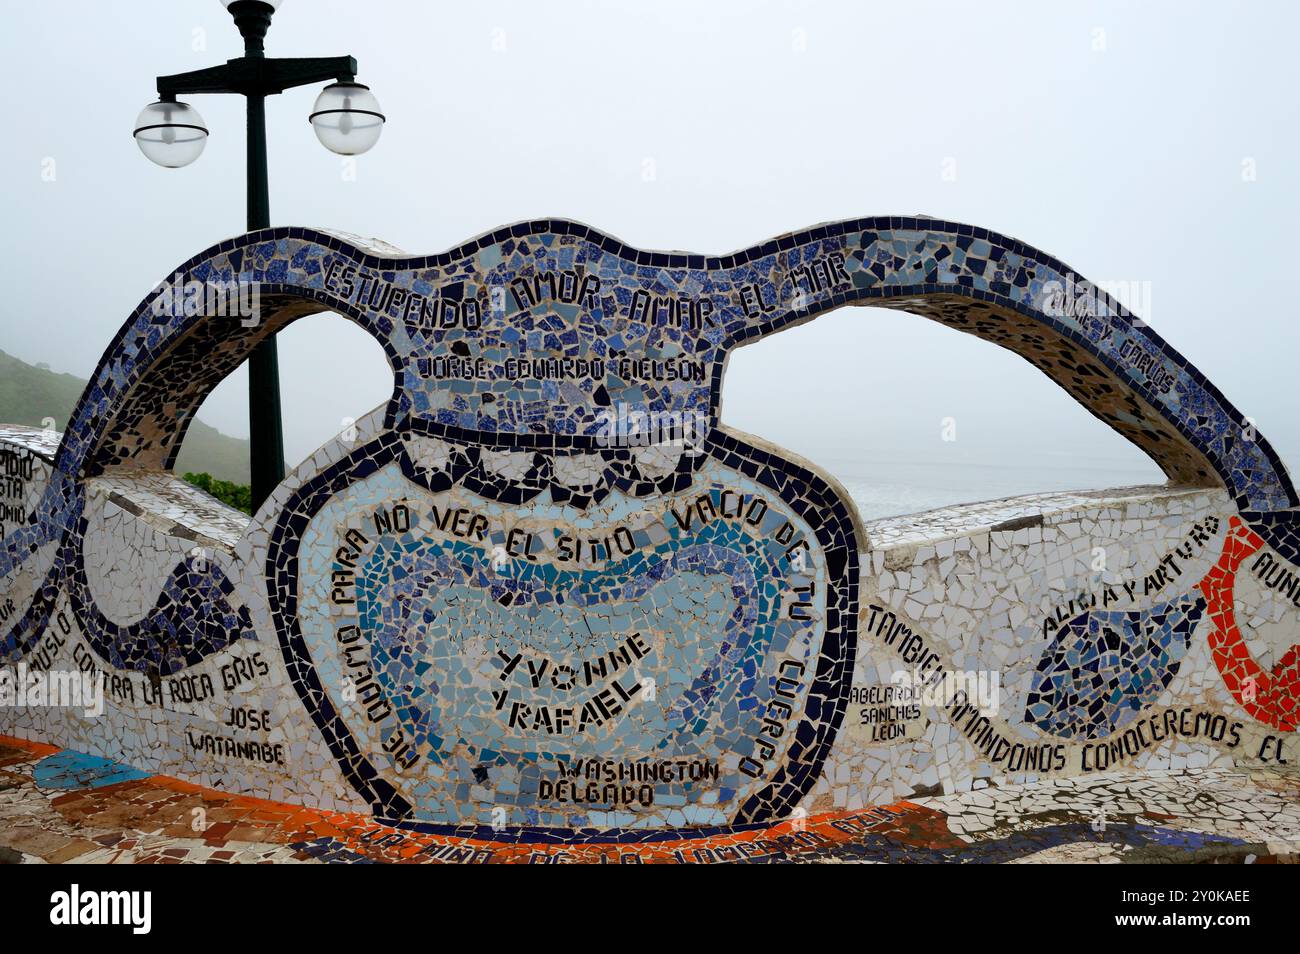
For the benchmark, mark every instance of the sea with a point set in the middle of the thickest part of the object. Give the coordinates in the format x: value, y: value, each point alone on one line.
x: 899, y: 488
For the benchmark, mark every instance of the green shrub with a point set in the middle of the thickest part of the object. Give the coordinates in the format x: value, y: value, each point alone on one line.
x: 239, y: 496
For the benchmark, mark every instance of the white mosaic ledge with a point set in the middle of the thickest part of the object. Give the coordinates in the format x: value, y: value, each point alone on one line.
x: 40, y: 441
x: 1215, y: 800
x: 173, y: 507
x: 1008, y: 513
x: 369, y: 244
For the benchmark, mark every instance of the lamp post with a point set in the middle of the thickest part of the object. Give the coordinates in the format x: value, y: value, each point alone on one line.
x: 347, y: 121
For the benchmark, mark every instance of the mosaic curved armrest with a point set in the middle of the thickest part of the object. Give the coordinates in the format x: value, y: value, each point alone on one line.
x: 544, y: 588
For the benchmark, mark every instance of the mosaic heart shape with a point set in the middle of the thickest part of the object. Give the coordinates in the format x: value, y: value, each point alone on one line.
x: 556, y: 638
x: 634, y: 666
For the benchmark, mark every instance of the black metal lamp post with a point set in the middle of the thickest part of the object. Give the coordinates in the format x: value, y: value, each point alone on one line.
x: 346, y: 119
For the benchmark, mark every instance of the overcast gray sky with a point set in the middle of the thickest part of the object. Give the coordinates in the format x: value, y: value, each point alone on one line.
x: 1152, y: 143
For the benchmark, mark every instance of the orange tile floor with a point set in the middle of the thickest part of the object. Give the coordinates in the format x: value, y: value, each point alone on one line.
x: 50, y: 813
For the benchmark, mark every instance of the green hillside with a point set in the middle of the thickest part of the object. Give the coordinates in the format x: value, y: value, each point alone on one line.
x: 29, y: 394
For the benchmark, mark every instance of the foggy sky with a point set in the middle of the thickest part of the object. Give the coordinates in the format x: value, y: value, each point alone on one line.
x: 1118, y: 137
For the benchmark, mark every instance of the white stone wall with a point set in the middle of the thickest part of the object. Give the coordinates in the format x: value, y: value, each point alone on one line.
x: 978, y: 596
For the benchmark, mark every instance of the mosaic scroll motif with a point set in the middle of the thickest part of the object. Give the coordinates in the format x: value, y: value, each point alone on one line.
x: 1271, y: 695
x: 528, y: 365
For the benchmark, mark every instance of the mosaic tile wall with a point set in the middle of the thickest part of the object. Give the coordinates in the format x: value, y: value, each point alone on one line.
x: 543, y: 591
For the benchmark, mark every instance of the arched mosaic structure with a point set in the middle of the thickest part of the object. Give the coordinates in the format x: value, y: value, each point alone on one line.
x: 544, y: 590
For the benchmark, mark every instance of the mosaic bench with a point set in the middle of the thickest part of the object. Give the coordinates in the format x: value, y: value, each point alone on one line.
x: 544, y: 591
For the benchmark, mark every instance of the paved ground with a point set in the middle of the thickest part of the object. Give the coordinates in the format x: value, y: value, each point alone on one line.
x: 58, y: 806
